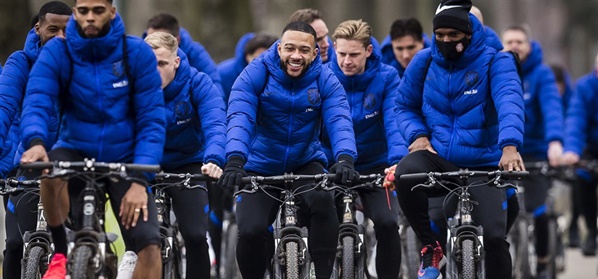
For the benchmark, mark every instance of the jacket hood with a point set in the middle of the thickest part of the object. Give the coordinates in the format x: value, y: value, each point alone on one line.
x: 272, y: 61
x: 181, y: 78
x: 95, y: 49
x: 534, y: 59
x: 32, y: 46
x: 473, y: 51
x: 240, y: 49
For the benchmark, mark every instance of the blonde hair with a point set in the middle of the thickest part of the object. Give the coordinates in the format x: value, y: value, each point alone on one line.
x: 162, y: 39
x: 354, y: 30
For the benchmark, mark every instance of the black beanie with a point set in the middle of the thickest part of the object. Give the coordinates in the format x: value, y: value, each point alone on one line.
x: 453, y: 14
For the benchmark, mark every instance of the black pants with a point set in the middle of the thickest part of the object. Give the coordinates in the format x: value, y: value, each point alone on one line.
x: 21, y: 216
x: 489, y: 212
x: 191, y: 209
x: 255, y: 212
x: 216, y: 197
x: 385, y: 218
x: 140, y: 236
x: 536, y: 191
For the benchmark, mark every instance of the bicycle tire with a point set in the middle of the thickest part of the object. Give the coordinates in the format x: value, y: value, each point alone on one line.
x: 522, y: 266
x: 552, y: 248
x: 348, y: 264
x: 413, y: 254
x: 34, y: 268
x: 467, y: 260
x: 292, y: 260
x: 231, y: 267
x: 80, y: 263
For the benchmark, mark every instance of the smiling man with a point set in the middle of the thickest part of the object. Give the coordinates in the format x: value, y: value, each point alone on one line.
x: 276, y: 109
x: 113, y: 112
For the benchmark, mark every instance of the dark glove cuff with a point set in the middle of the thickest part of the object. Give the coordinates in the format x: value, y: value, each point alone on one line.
x: 236, y: 161
x: 345, y: 158
x: 36, y: 141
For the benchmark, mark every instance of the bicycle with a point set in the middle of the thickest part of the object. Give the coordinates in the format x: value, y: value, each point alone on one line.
x: 352, y: 248
x: 89, y: 252
x: 291, y: 258
x: 37, y: 243
x: 465, y: 247
x: 172, y: 245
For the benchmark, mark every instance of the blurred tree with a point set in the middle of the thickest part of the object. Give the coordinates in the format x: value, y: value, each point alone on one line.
x: 15, y: 22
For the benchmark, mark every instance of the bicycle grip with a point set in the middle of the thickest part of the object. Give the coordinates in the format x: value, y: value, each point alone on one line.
x: 143, y: 167
x: 414, y: 177
x: 37, y: 165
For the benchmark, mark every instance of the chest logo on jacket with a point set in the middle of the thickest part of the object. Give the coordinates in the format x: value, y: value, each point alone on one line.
x: 181, y: 111
x: 117, y: 69
x: 313, y: 96
x: 471, y: 78
x: 370, y: 101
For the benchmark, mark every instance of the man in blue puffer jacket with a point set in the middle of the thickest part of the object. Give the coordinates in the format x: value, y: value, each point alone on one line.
x: 406, y: 38
x: 492, y: 38
x: 113, y: 111
x: 543, y: 130
x: 371, y: 91
x: 249, y: 47
x: 21, y: 209
x: 195, y: 136
x: 198, y: 56
x: 581, y: 141
x: 455, y: 117
x: 275, y: 113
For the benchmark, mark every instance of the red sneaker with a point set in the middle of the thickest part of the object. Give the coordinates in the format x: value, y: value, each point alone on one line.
x: 57, y: 267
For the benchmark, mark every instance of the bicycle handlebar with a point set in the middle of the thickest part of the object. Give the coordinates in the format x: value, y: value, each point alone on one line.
x: 465, y: 174
x: 91, y: 165
x: 202, y: 177
x: 14, y: 185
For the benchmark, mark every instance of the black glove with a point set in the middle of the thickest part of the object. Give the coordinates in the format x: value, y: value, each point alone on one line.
x: 233, y: 173
x: 345, y: 171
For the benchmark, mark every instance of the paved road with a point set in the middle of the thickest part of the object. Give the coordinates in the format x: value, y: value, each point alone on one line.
x: 578, y: 266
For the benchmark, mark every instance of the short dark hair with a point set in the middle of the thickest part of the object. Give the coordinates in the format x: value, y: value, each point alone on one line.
x: 34, y: 20
x: 521, y: 28
x: 109, y: 1
x: 260, y: 40
x: 165, y: 21
x: 406, y: 27
x: 53, y: 7
x: 300, y: 26
x: 305, y: 15
x: 559, y: 72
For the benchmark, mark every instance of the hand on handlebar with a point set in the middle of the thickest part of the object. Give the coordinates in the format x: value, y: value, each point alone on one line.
x: 211, y: 170
x: 344, y: 170
x: 233, y: 173
x: 511, y: 160
x: 555, y: 152
x: 389, y: 179
x: 34, y: 154
x: 569, y: 158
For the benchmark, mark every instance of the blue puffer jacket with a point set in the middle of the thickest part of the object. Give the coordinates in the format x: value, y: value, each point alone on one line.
x: 468, y: 118
x: 274, y: 121
x: 97, y: 117
x: 199, y: 58
x: 372, y: 97
x: 388, y: 56
x: 231, y: 68
x: 195, y: 117
x: 492, y: 39
x: 543, y: 107
x: 581, y: 128
x: 13, y: 82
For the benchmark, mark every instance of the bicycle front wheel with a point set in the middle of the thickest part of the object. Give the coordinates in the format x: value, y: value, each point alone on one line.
x: 292, y: 260
x: 467, y: 260
x: 348, y: 267
x: 81, y: 263
x: 34, y: 265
